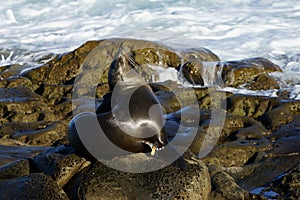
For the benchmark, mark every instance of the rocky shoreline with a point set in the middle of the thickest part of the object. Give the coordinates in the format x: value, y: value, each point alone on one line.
x: 256, y: 156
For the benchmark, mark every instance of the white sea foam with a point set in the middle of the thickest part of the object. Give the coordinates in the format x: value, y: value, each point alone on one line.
x: 233, y: 29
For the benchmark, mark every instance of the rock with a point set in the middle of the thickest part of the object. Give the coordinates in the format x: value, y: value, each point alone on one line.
x: 262, y: 82
x: 22, y: 105
x: 62, y: 68
x: 241, y: 127
x: 102, y: 90
x: 33, y: 186
x: 286, y: 186
x: 237, y: 73
x: 65, y: 69
x: 287, y: 130
x: 168, y: 101
x: 64, y: 110
x: 148, y: 73
x: 212, y: 99
x: 225, y: 187
x: 14, y: 82
x: 168, y: 85
x: 168, y: 183
x: 11, y: 70
x: 192, y: 69
x: 235, y: 127
x: 147, y: 62
x: 258, y: 141
x: 55, y: 94
x: 15, y: 169
x: 193, y: 73
x: 250, y: 105
x: 173, y: 99
x: 250, y: 73
x: 157, y: 55
x: 35, y: 133
x: 13, y: 153
x: 247, y: 71
x: 284, y: 156
x: 3, y: 68
x: 238, y: 153
x: 17, y: 95
x: 200, y: 54
x: 281, y: 114
x: 11, y: 142
x: 59, y: 165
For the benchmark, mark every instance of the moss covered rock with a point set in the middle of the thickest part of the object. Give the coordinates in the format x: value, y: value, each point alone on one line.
x: 248, y: 71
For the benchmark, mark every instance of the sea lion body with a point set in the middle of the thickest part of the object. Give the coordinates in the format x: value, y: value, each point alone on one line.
x: 136, y: 132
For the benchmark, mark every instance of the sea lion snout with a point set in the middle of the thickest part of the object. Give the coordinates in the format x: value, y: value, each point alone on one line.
x: 155, y: 143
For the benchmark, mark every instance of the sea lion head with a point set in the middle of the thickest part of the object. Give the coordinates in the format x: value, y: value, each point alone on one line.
x: 137, y: 136
x: 157, y: 138
x: 118, y: 68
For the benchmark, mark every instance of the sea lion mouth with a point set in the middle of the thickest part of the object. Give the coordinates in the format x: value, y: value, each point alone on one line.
x: 153, y: 147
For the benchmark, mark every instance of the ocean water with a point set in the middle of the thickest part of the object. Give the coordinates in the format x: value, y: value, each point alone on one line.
x: 233, y: 29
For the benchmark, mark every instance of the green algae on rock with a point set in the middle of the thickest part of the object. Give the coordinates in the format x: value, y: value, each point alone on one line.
x: 248, y: 71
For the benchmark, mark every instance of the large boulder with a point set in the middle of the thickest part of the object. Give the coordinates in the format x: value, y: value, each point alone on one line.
x: 59, y: 163
x: 33, y: 186
x: 13, y: 152
x: 253, y: 73
x: 168, y: 183
x: 250, y: 105
x: 283, y: 187
x: 225, y: 187
x: 193, y: 69
x: 15, y: 169
x: 282, y: 114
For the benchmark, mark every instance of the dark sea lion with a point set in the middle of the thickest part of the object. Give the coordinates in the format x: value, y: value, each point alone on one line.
x: 117, y: 136
x: 134, y: 122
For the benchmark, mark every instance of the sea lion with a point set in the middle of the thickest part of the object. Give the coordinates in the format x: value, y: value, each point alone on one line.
x: 117, y: 136
x: 134, y: 122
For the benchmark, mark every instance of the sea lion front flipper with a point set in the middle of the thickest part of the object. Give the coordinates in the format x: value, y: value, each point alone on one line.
x: 105, y: 106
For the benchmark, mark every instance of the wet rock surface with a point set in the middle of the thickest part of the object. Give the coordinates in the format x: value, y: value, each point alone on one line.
x: 59, y: 163
x: 13, y: 151
x: 256, y: 153
x: 33, y: 186
x: 225, y: 187
x: 99, y: 181
x: 286, y: 186
x: 253, y: 72
x: 15, y: 169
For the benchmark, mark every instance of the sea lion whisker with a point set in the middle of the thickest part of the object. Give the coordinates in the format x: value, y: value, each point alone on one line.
x: 160, y: 139
x: 129, y: 58
x: 153, y: 147
x: 131, y: 61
